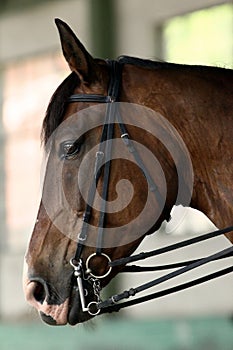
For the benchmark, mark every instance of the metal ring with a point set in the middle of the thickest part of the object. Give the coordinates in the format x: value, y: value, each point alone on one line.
x: 89, y: 311
x: 88, y: 268
x: 74, y: 265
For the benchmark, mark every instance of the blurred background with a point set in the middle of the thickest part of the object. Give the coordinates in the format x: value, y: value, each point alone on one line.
x: 31, y: 67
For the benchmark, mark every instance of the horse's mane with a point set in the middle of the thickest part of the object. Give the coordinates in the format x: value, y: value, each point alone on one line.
x: 146, y: 63
x: 152, y: 64
x: 57, y: 105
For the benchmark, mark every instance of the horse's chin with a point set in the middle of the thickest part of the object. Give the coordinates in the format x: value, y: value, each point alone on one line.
x: 76, y: 315
x: 48, y: 319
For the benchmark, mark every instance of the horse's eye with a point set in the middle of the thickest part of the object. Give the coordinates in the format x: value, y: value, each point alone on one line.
x: 69, y: 149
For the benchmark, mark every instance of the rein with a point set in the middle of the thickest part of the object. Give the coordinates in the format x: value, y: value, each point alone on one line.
x: 111, y: 305
x: 112, y: 117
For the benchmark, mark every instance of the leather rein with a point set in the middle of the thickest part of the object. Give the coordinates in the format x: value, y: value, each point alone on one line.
x: 81, y: 272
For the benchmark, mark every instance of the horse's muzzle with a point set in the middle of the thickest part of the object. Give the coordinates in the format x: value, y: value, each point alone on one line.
x: 54, y: 309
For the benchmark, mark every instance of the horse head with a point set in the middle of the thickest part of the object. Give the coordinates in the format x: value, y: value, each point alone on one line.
x: 72, y: 131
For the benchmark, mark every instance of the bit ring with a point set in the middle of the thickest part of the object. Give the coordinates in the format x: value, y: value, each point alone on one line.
x: 89, y: 269
x: 89, y: 308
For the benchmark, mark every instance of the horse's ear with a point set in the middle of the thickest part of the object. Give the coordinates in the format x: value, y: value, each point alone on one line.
x: 79, y: 60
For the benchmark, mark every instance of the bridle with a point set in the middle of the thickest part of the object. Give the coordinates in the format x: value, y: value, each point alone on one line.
x: 84, y: 273
x: 105, y: 149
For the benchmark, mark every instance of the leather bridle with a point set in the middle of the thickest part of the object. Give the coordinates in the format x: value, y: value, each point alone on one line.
x: 102, y: 168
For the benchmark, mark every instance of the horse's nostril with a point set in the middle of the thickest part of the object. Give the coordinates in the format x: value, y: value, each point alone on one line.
x: 39, y: 292
x: 36, y: 292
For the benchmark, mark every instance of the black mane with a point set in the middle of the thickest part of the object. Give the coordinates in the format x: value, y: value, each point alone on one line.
x: 151, y: 64
x: 145, y: 63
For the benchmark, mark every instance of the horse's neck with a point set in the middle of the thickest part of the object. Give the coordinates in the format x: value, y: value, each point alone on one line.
x: 198, y: 103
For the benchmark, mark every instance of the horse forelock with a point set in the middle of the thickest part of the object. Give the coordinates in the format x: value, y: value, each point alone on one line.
x: 57, y: 105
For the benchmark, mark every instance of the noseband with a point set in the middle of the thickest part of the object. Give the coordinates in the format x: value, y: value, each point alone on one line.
x: 102, y: 168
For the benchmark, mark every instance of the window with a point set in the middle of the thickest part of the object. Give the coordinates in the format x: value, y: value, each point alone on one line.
x: 202, y: 37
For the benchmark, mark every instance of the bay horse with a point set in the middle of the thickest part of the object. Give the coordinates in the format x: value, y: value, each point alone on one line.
x: 123, y: 137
